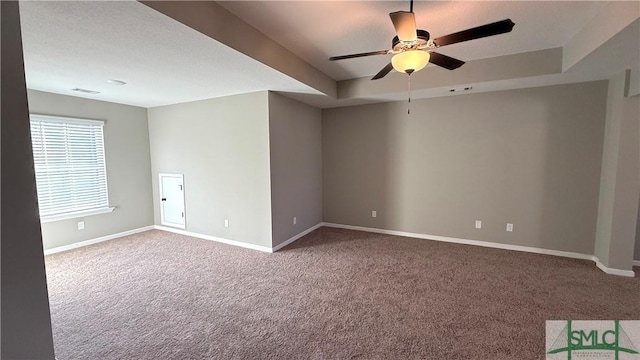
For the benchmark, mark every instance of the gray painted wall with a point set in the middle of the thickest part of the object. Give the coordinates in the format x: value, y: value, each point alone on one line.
x: 635, y: 91
x: 126, y: 142
x: 606, y: 204
x: 295, y: 132
x: 26, y: 322
x: 636, y: 255
x: 222, y: 147
x: 530, y: 157
x: 620, y: 181
x: 630, y: 165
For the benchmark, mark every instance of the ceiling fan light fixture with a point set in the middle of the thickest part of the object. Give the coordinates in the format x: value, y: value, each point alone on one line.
x: 410, y: 61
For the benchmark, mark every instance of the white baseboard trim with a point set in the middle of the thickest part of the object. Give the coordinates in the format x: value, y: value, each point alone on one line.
x: 568, y: 254
x: 619, y: 272
x: 296, y: 237
x: 214, y: 238
x: 466, y: 241
x: 612, y: 271
x: 96, y: 240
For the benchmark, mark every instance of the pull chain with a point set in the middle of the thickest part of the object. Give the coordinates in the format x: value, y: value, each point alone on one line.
x: 409, y: 102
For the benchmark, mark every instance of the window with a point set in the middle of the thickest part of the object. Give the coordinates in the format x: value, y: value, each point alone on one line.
x: 70, y: 168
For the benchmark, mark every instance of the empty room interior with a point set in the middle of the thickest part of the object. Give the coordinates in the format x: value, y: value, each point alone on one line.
x: 317, y: 179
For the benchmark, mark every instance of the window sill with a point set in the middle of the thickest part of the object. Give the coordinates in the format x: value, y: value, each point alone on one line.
x: 75, y: 215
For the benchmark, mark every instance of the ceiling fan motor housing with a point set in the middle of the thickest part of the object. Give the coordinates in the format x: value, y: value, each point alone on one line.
x: 423, y: 39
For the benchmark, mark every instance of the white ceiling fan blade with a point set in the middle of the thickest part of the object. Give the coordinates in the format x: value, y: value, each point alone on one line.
x: 405, y: 24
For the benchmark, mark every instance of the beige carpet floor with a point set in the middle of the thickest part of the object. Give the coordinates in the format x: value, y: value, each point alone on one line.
x: 334, y: 294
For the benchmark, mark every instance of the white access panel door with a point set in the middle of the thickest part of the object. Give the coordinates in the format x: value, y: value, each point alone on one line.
x: 172, y: 200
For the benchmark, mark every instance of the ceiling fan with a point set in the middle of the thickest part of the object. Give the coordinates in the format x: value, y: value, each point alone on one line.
x: 412, y: 48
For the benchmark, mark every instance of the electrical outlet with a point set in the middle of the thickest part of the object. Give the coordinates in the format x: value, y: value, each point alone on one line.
x: 80, y: 225
x: 226, y: 223
x: 295, y: 220
x: 509, y: 227
x: 374, y: 213
x: 478, y: 224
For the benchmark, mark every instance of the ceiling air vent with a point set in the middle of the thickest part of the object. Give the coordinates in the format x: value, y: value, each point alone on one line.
x: 116, y: 82
x: 93, y: 92
x: 465, y: 88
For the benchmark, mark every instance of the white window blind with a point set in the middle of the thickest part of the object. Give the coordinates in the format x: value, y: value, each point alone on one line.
x: 70, y: 167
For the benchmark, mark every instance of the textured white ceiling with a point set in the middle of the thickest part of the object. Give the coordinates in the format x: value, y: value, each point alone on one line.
x: 620, y: 52
x: 315, y: 30
x: 84, y: 44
